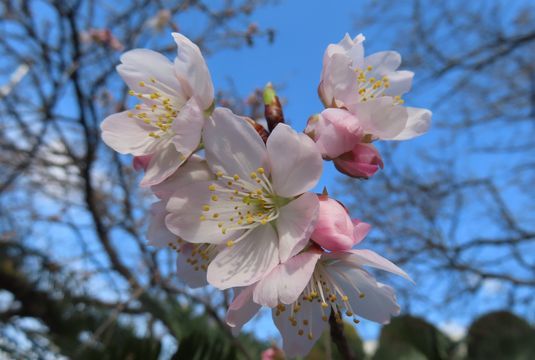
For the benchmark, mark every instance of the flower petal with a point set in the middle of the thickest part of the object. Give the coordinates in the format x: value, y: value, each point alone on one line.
x: 143, y: 65
x: 192, y: 71
x: 185, y: 211
x: 187, y: 128
x: 163, y: 164
x: 295, y: 224
x: 338, y: 83
x: 247, y: 261
x: 193, y: 170
x: 293, y: 343
x: 287, y: 281
x: 380, y: 117
x: 127, y: 135
x: 371, y: 258
x: 418, y: 124
x: 242, y: 309
x: 232, y: 145
x: 368, y: 298
x: 190, y: 273
x: 400, y: 83
x: 383, y: 63
x: 296, y: 163
x: 157, y: 234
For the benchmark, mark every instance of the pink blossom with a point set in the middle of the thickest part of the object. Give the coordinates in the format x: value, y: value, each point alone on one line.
x: 303, y: 291
x: 371, y: 88
x: 141, y: 162
x: 272, y: 353
x: 335, y: 132
x: 334, y: 229
x: 361, y: 162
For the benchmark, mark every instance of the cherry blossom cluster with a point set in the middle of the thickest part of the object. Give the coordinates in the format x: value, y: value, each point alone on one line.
x: 238, y: 207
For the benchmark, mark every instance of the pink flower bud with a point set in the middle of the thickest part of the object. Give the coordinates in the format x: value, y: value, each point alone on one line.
x: 335, y: 132
x: 141, y: 162
x: 334, y: 229
x: 273, y: 353
x: 361, y: 162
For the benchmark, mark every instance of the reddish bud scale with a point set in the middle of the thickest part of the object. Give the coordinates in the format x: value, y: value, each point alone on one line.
x: 273, y: 113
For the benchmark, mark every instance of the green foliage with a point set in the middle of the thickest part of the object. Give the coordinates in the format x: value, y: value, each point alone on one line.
x: 408, y: 337
x: 325, y: 346
x: 501, y: 335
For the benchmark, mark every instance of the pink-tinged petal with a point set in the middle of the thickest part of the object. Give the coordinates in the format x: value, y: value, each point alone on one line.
x: 287, y: 281
x: 187, y: 128
x: 418, y: 124
x: 242, y: 309
x: 336, y: 131
x: 153, y: 70
x: 232, y: 145
x: 194, y: 170
x: 185, y: 209
x: 192, y: 274
x: 141, y: 162
x: 372, y: 259
x: 383, y: 63
x: 368, y: 298
x: 380, y: 117
x: 127, y: 135
x: 247, y: 261
x: 295, y: 223
x: 338, y: 82
x: 400, y: 83
x: 157, y: 234
x: 334, y: 229
x: 163, y: 164
x: 296, y: 163
x: 360, y: 230
x: 363, y: 161
x: 293, y: 343
x: 192, y: 71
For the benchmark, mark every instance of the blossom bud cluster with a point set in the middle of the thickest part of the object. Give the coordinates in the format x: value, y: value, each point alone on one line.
x: 238, y: 208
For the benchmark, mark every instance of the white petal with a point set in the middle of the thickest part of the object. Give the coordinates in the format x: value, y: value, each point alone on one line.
x: 377, y: 304
x: 193, y: 275
x: 381, y: 118
x: 383, y: 63
x: 242, y: 309
x: 400, y: 83
x: 193, y: 170
x: 295, y: 223
x: 142, y: 65
x: 232, y: 145
x: 163, y: 164
x: 338, y: 81
x: 296, y: 163
x: 127, y: 135
x: 287, y: 281
x: 369, y: 258
x: 293, y: 343
x: 418, y: 124
x: 247, y: 261
x: 185, y: 210
x: 157, y: 234
x: 192, y: 71
x: 187, y: 128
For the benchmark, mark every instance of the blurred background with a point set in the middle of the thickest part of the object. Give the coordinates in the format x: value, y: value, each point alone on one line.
x: 455, y: 208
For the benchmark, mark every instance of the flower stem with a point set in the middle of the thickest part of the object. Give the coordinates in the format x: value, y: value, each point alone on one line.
x: 337, y: 336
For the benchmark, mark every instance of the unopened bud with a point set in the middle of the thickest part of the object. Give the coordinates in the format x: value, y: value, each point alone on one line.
x: 272, y: 107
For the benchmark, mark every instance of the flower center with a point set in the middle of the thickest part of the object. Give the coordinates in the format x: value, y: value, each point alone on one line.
x: 241, y: 204
x: 370, y: 87
x: 157, y: 108
x: 323, y: 291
